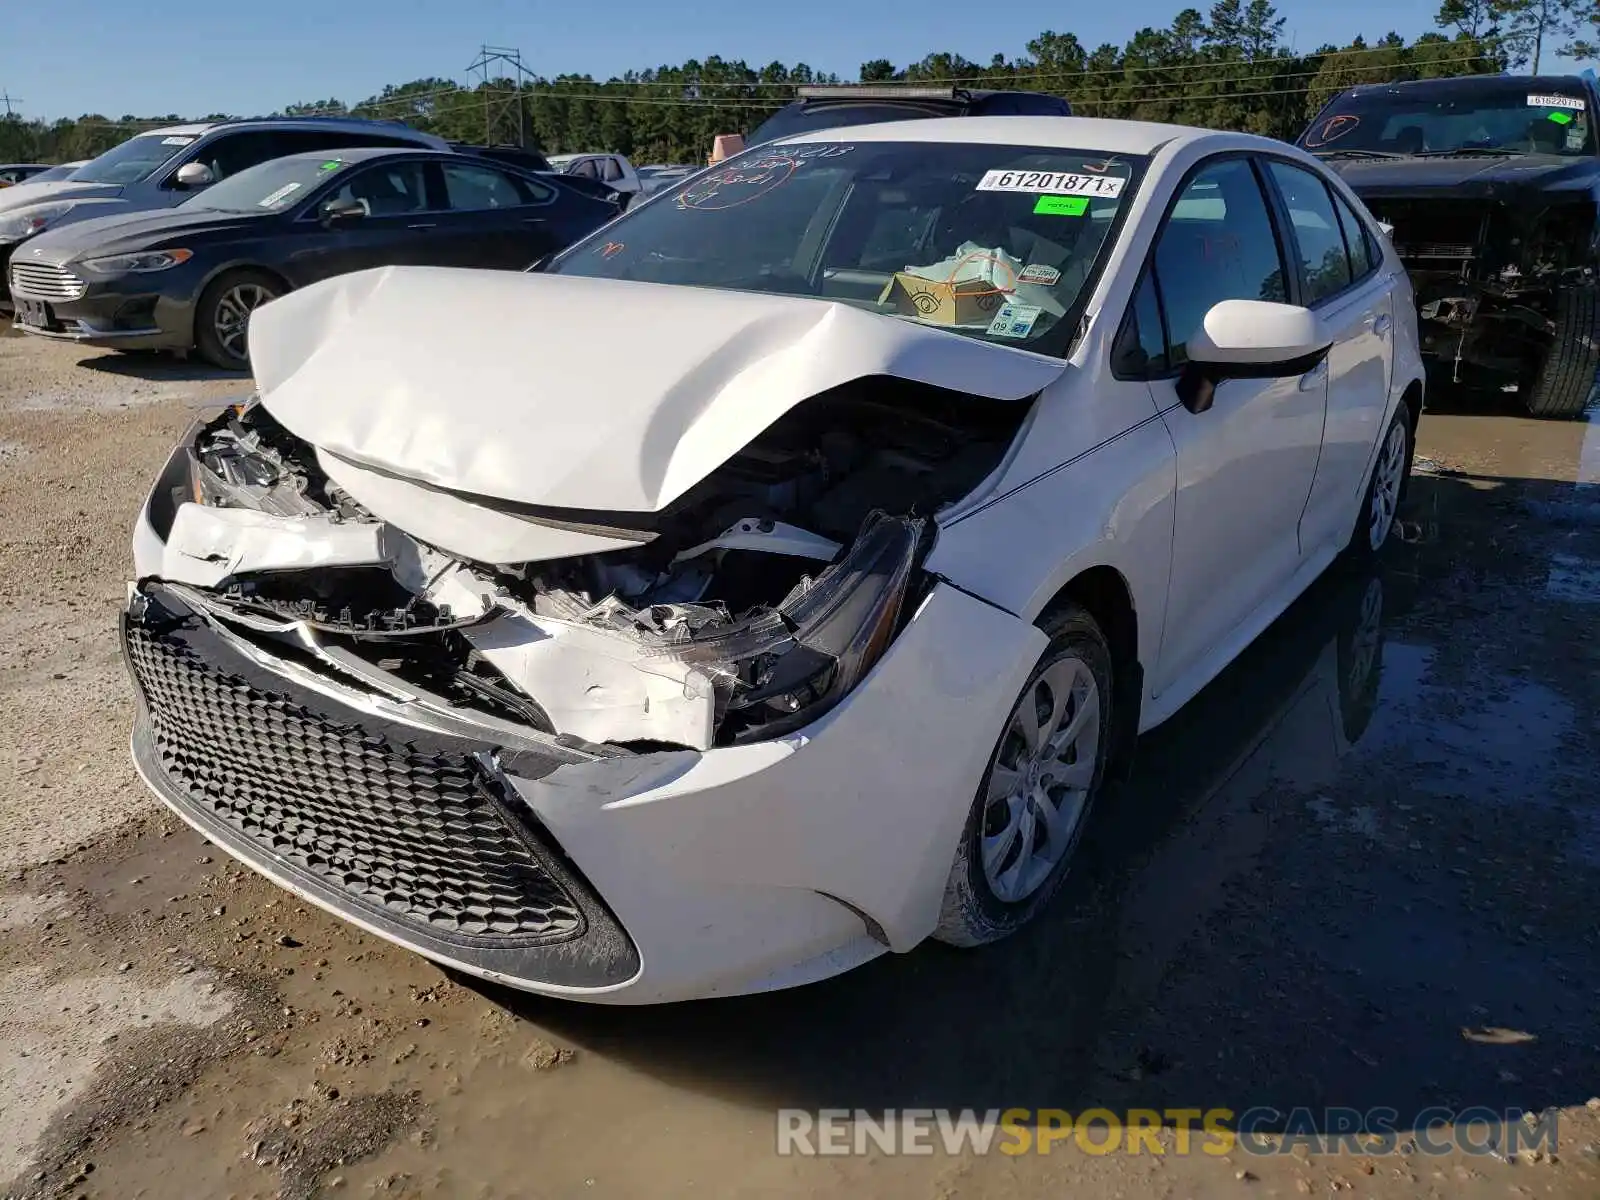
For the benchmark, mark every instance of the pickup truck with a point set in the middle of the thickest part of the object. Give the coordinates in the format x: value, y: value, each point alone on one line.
x: 1490, y: 187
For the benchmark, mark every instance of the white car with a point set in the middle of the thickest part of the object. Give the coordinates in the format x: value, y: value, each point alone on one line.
x: 614, y: 170
x: 935, y: 461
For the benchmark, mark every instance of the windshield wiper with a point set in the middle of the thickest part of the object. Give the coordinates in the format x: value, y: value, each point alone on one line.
x: 1353, y: 153
x: 1469, y: 151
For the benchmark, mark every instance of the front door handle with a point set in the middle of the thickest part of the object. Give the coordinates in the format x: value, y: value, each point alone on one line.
x: 1382, y: 325
x: 1314, y: 378
x: 428, y: 225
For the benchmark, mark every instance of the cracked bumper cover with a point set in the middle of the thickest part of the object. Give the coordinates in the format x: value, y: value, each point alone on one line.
x: 633, y: 879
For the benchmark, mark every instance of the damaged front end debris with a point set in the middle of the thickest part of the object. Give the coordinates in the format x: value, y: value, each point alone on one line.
x: 742, y: 612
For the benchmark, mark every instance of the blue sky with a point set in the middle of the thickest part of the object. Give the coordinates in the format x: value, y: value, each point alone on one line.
x: 193, y: 57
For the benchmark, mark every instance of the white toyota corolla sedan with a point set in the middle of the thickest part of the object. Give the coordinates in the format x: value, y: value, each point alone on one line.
x: 777, y: 577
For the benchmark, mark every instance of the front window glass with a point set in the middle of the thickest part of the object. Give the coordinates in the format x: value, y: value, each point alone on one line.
x: 272, y: 186
x: 135, y: 159
x: 1218, y: 245
x: 995, y: 242
x: 1528, y: 119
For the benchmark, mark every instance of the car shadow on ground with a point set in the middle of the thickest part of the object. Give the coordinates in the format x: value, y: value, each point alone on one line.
x: 158, y: 367
x: 1361, y: 868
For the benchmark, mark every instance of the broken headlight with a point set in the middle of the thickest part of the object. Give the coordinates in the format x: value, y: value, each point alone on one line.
x: 783, y: 668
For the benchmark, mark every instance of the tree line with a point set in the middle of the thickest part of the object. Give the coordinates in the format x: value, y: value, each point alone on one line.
x: 1227, y: 68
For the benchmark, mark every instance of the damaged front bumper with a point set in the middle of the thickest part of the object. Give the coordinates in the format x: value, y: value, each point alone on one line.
x: 550, y: 861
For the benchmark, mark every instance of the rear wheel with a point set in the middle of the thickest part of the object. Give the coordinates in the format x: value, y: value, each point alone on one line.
x: 222, y: 318
x: 1385, y: 489
x: 1034, y: 801
x: 1565, y: 384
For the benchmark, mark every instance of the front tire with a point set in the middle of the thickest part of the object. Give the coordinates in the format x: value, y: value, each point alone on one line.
x: 1034, y: 800
x: 1565, y: 384
x: 222, y: 317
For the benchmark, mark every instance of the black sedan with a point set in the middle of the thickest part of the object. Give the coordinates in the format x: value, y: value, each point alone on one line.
x: 190, y: 276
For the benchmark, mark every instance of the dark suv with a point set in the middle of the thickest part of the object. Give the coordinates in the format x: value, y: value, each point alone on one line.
x: 1489, y: 186
x: 829, y: 107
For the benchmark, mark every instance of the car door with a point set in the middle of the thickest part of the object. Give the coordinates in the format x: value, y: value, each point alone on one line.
x: 1246, y: 464
x: 395, y: 228
x: 1340, y: 282
x: 495, y: 218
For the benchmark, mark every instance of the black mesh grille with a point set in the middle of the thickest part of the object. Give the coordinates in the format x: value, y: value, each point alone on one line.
x: 395, y: 824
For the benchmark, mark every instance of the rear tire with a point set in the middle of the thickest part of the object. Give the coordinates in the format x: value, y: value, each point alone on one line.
x: 1386, y: 488
x: 1040, y: 798
x: 1565, y: 384
x: 222, y: 317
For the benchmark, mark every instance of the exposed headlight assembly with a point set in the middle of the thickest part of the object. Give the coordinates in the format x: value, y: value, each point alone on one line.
x: 25, y: 222
x: 784, y: 668
x: 139, y: 263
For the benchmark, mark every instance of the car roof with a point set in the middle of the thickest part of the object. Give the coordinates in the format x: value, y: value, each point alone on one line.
x: 1478, y: 84
x: 1065, y: 133
x: 357, y: 154
x: 320, y: 124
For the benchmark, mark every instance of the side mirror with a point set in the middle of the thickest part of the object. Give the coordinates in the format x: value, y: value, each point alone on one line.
x: 337, y: 211
x: 1250, y: 339
x: 195, y: 175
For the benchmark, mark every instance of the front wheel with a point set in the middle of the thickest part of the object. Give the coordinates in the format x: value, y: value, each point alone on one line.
x: 1565, y: 385
x: 222, y: 317
x: 1035, y: 798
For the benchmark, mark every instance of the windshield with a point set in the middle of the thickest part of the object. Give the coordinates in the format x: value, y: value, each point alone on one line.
x: 994, y: 242
x: 272, y: 186
x: 1529, y: 120
x: 135, y: 159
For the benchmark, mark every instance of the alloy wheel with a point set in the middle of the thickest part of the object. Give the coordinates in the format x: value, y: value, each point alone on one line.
x: 233, y: 315
x: 1039, y: 783
x: 1386, y: 485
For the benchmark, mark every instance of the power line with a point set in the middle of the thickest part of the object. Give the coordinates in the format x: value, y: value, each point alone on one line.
x: 8, y: 100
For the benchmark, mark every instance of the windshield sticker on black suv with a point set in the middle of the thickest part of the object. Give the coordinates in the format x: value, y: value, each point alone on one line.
x: 1055, y: 183
x: 175, y: 140
x: 1333, y: 128
x: 1575, y: 103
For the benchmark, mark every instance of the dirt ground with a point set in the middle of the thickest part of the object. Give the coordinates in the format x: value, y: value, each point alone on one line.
x: 1362, y: 869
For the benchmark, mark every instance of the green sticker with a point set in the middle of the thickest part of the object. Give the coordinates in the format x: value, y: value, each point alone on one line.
x: 333, y: 164
x: 1062, y: 206
x: 1561, y: 118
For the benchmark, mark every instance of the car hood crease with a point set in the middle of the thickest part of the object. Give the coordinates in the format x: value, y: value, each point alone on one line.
x: 578, y: 393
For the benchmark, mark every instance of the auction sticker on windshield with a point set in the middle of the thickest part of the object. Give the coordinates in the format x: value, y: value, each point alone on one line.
x: 279, y: 196
x: 1573, y: 102
x: 1055, y: 183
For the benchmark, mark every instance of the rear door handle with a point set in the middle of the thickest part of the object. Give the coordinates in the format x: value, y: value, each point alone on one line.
x: 428, y: 225
x: 1314, y: 378
x: 1382, y: 325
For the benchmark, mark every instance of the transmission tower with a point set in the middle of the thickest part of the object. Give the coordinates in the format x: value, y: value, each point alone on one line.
x: 496, y: 62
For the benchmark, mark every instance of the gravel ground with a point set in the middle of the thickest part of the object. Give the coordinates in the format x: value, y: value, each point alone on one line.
x: 1362, y: 869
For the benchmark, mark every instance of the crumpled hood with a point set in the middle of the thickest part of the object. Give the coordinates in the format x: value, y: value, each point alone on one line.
x: 577, y: 393
x: 54, y: 192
